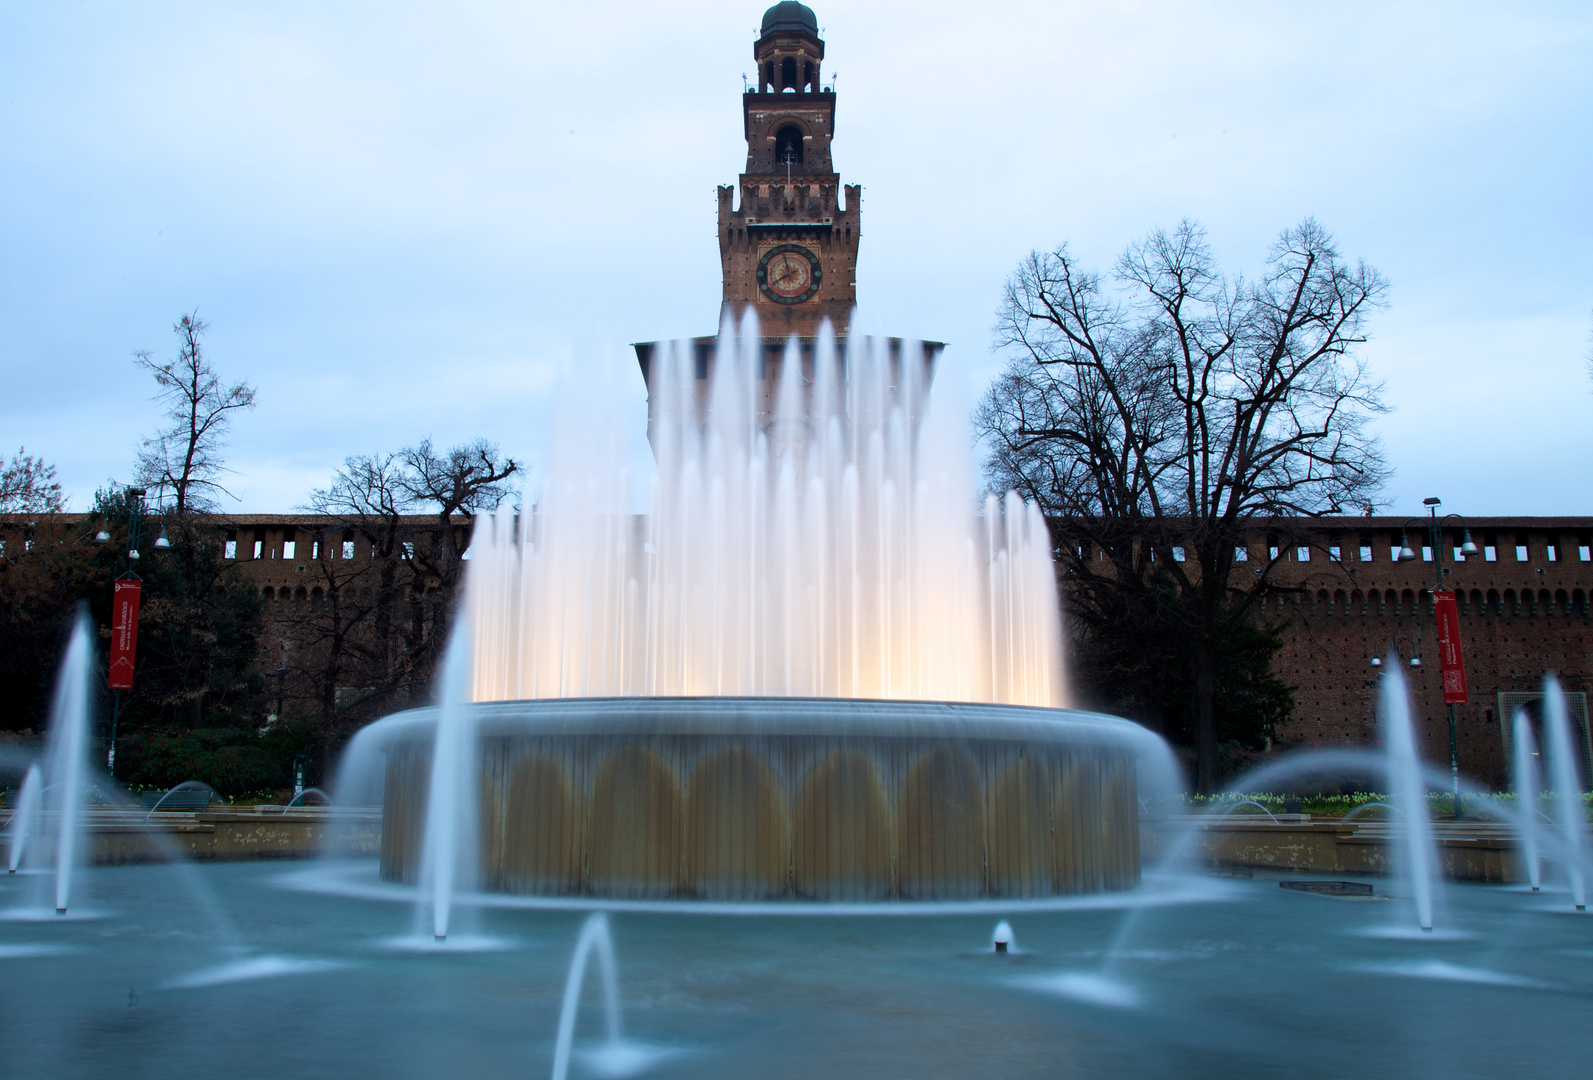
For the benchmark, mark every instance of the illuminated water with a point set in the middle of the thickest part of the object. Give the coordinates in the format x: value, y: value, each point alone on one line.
x: 823, y: 542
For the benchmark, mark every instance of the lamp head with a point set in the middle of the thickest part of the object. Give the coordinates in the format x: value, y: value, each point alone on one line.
x: 102, y: 537
x: 1433, y: 502
x: 1467, y: 548
x: 1405, y: 553
x: 1415, y: 661
x: 161, y: 543
x: 1377, y: 662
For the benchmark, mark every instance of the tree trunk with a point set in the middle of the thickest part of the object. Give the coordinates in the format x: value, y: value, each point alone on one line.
x: 1203, y: 710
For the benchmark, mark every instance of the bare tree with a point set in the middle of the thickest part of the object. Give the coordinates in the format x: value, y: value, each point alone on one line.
x: 464, y: 480
x: 28, y: 486
x: 1163, y: 417
x: 385, y: 612
x: 184, y: 457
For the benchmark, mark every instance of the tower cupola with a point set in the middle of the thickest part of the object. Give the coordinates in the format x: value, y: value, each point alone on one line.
x: 788, y: 50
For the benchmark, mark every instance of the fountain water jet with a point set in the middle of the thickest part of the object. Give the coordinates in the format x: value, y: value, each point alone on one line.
x: 65, y: 757
x: 449, y: 857
x: 1408, y: 790
x: 26, y: 818
x: 594, y: 935
x: 1528, y: 784
x: 1563, y: 751
x: 187, y: 785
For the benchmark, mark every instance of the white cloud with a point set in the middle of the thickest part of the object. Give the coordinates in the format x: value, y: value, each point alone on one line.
x: 401, y: 218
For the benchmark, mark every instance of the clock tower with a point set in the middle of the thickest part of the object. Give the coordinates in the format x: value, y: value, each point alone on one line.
x: 788, y: 245
x: 789, y: 251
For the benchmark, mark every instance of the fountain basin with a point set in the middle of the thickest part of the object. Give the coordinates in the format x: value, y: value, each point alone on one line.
x: 817, y: 799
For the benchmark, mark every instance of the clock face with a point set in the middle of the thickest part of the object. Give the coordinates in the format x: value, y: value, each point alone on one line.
x: 789, y: 273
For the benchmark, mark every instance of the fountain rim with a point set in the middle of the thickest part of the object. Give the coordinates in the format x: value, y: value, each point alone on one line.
x: 710, y: 715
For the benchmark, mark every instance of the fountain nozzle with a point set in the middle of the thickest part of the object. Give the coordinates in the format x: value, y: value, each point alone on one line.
x: 1003, y: 936
x: 60, y: 911
x: 439, y: 937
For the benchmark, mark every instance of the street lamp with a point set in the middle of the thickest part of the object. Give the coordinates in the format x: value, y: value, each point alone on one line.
x: 133, y: 507
x: 278, y: 675
x: 1467, y: 549
x: 1394, y: 648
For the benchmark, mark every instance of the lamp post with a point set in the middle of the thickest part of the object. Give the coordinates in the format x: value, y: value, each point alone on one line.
x: 278, y: 675
x: 133, y: 506
x: 1434, y: 525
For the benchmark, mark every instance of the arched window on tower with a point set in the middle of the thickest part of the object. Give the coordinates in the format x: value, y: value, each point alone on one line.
x: 788, y: 145
x: 768, y: 77
x: 807, y: 77
x: 788, y: 73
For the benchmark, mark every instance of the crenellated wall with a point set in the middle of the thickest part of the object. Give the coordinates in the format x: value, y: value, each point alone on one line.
x: 1524, y: 603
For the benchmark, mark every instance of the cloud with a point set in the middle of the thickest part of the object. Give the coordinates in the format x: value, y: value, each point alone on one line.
x: 401, y: 218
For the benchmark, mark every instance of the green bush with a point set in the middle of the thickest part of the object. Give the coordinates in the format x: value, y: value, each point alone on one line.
x: 231, y: 760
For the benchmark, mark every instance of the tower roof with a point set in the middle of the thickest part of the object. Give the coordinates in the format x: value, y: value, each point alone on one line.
x: 790, y: 16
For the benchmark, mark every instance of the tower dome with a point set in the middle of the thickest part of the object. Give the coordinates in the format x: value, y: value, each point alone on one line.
x: 790, y: 16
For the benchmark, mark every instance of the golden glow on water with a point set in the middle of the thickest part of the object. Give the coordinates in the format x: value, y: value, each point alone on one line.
x: 843, y: 562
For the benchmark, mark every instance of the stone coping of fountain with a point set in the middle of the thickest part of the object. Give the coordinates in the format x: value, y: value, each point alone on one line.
x: 740, y: 798
x: 858, y: 717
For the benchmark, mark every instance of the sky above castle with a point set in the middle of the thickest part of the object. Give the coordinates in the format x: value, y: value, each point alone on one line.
x: 412, y: 219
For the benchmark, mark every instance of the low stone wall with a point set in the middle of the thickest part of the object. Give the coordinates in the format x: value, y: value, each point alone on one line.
x: 118, y: 837
x: 1467, y: 852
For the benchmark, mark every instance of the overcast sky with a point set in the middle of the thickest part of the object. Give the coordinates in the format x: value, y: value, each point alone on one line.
x: 408, y: 219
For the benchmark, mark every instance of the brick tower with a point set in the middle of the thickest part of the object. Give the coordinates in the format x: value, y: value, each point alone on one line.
x: 790, y: 250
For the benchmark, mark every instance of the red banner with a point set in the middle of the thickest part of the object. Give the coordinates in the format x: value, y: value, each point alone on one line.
x: 1450, y: 663
x: 124, y: 632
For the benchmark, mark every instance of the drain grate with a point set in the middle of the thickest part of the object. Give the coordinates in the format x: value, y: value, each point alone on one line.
x: 1330, y: 888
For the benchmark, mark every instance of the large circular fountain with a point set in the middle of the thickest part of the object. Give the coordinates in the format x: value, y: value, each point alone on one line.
x: 781, y: 798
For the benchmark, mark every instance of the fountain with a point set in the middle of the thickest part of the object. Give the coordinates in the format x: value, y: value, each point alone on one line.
x: 26, y: 818
x: 1564, y: 750
x: 1418, y: 864
x: 1528, y: 785
x: 211, y: 796
x: 449, y: 857
x: 594, y: 935
x: 809, y: 672
x: 55, y: 796
x: 800, y: 733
